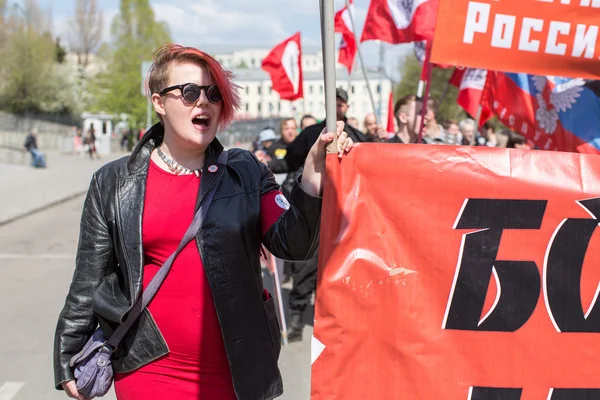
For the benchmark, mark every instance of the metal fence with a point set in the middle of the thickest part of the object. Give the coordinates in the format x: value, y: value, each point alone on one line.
x: 246, y: 131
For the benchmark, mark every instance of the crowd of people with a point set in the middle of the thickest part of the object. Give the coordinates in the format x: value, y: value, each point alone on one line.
x: 271, y: 147
x: 286, y: 152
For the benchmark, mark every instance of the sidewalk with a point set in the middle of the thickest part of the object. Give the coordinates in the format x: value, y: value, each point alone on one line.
x: 26, y: 190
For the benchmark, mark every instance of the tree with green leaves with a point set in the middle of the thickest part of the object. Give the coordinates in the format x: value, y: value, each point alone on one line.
x: 443, y: 93
x: 135, y: 36
x: 27, y: 55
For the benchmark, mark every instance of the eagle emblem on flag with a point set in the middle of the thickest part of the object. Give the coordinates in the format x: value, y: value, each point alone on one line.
x: 402, y: 11
x: 554, y: 98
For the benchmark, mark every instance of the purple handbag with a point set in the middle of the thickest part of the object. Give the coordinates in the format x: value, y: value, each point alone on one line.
x: 92, y: 365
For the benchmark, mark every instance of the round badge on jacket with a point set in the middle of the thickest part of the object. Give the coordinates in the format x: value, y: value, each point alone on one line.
x: 213, y: 169
x: 282, y: 202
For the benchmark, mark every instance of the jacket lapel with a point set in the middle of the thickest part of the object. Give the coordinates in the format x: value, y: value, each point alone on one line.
x: 212, y: 170
x: 131, y: 191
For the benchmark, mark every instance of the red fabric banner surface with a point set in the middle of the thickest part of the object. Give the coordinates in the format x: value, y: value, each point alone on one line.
x: 458, y: 273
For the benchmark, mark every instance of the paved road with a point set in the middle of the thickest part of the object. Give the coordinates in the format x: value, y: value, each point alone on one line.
x: 36, y: 264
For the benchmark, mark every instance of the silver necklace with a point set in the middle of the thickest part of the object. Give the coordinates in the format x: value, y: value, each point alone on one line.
x: 175, y: 167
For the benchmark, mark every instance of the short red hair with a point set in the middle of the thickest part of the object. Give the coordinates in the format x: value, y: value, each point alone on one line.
x: 168, y: 54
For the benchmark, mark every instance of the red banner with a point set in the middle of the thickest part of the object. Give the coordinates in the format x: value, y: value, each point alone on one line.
x: 543, y: 37
x: 458, y: 273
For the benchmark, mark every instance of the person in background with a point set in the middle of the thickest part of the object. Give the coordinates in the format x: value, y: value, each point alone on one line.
x: 375, y: 132
x: 453, y: 135
x: 306, y: 121
x: 78, y: 142
x: 487, y: 136
x: 90, y: 140
x: 299, y: 148
x: 503, y: 136
x: 266, y: 137
x: 37, y: 157
x: 353, y: 122
x: 124, y: 140
x: 434, y: 133
x: 407, y: 111
x: 516, y: 141
x: 468, y: 127
x: 277, y: 151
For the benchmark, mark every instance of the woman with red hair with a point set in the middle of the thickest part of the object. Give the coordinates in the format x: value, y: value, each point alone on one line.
x: 210, y: 331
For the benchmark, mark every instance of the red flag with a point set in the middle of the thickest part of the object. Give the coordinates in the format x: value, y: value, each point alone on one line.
x: 400, y: 21
x: 391, y: 128
x: 457, y: 76
x: 554, y: 113
x: 348, y: 48
x: 472, y: 83
x: 284, y: 65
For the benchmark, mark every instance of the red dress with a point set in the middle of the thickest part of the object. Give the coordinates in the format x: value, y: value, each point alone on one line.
x: 196, y: 366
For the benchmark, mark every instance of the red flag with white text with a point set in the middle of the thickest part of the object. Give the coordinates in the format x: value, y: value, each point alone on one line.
x: 348, y: 46
x: 471, y: 82
x: 284, y: 65
x: 400, y: 21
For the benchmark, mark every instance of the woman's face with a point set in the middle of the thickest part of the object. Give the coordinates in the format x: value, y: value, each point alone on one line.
x: 191, y: 124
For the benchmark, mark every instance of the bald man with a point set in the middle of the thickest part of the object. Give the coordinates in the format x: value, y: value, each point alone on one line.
x: 375, y: 132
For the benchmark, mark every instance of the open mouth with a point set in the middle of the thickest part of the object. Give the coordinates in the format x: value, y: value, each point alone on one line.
x: 202, y: 121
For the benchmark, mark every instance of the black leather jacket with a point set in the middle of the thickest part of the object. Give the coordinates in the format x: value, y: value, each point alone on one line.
x: 109, y: 265
x: 298, y: 150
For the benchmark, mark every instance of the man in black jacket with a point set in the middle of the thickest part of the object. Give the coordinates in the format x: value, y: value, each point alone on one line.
x: 305, y: 273
x: 38, y: 160
x: 278, y: 150
x: 299, y: 148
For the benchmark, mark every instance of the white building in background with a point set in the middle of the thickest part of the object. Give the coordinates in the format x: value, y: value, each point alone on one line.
x: 259, y: 100
x: 253, y: 58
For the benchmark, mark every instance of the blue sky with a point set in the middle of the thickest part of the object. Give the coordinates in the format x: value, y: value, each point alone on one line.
x: 224, y: 25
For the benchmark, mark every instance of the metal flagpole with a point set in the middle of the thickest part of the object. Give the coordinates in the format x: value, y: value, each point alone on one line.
x: 429, y: 67
x: 350, y: 77
x: 274, y: 267
x: 360, y: 57
x: 328, y: 39
x: 382, y: 73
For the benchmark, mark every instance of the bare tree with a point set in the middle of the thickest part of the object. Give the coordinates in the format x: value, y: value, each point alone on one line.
x: 86, y: 28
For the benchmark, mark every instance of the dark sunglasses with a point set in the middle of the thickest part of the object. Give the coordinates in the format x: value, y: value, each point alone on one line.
x: 191, y: 92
